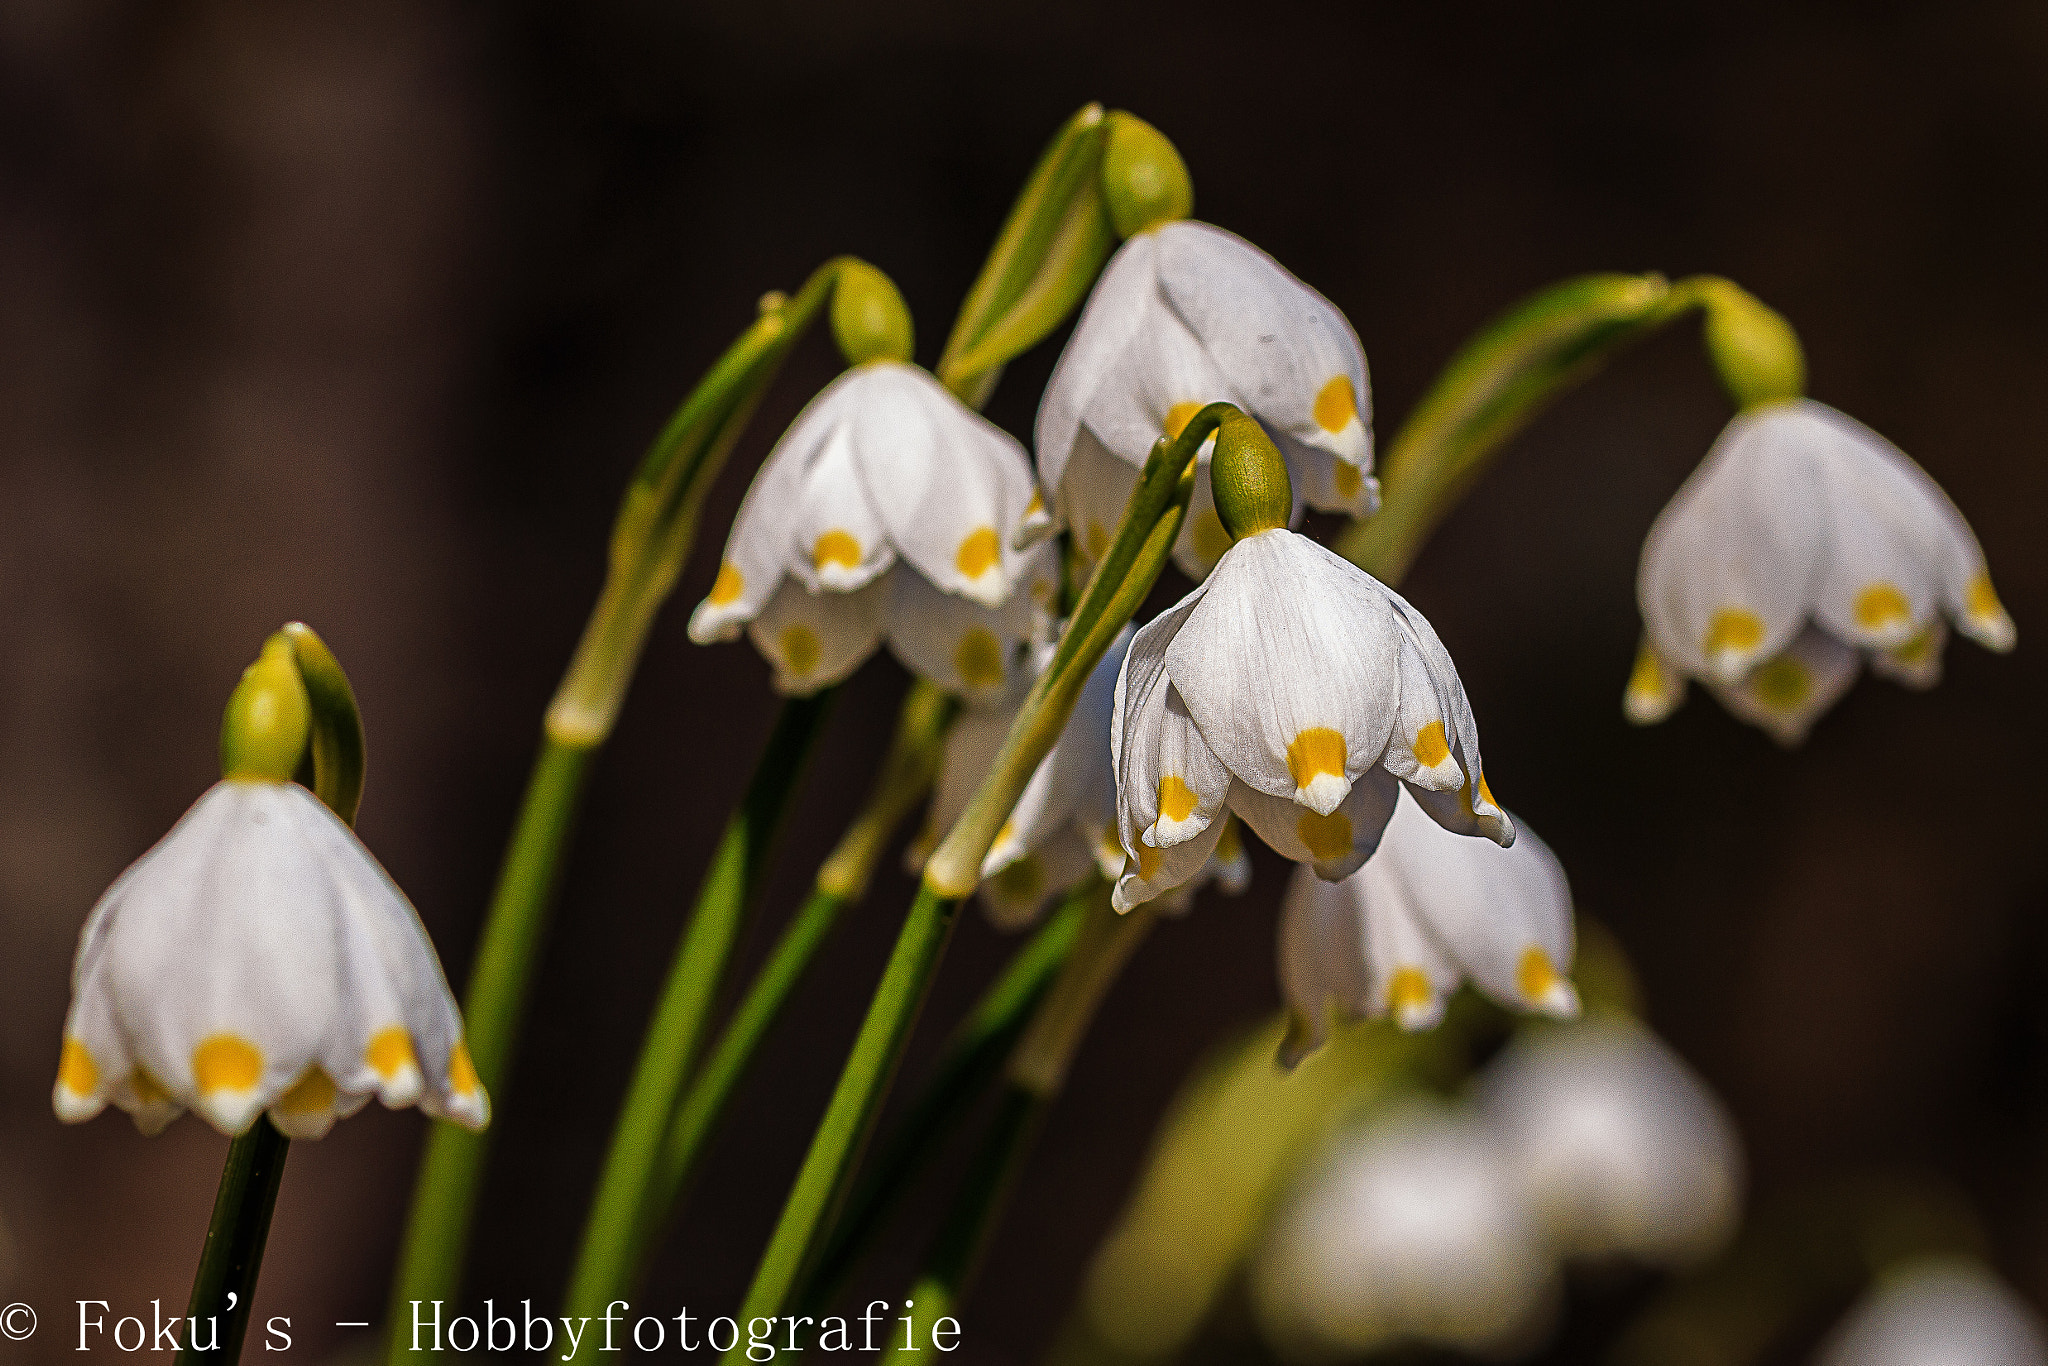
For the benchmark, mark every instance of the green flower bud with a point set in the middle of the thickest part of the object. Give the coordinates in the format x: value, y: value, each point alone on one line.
x: 264, y: 731
x: 1755, y: 350
x: 869, y: 318
x: 1144, y: 180
x: 1249, y: 479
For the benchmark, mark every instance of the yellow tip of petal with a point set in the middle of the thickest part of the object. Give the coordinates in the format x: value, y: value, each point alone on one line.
x: 1783, y: 685
x: 1431, y: 748
x: 1176, y: 799
x: 1328, y: 837
x: 226, y: 1062
x: 836, y: 547
x: 1410, y: 998
x: 1336, y: 406
x: 76, y: 1071
x: 1317, y: 752
x: 730, y: 584
x: 1178, y: 417
x: 1733, y: 633
x: 980, y: 552
x: 801, y: 649
x: 312, y: 1094
x: 979, y: 659
x: 462, y: 1078
x: 1882, y: 607
x: 1542, y: 985
x: 1347, y: 478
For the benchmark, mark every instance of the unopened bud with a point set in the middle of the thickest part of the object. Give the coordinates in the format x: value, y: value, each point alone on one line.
x: 1144, y: 181
x: 263, y: 733
x: 869, y: 318
x: 1249, y: 479
x: 1755, y: 350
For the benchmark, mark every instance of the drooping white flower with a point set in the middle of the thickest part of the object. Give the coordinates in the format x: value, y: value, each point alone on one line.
x: 1621, y: 1147
x: 1185, y: 315
x: 256, y: 959
x: 1408, y: 1230
x: 887, y: 509
x: 1302, y: 693
x: 1803, y: 543
x: 1428, y: 909
x: 1938, y: 1311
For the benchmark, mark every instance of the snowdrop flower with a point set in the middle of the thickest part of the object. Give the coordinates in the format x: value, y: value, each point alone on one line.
x: 885, y: 510
x: 1410, y: 1230
x: 1428, y: 909
x: 1804, y: 543
x: 1938, y: 1311
x: 258, y: 959
x: 1187, y: 314
x: 1293, y: 688
x: 1622, y: 1149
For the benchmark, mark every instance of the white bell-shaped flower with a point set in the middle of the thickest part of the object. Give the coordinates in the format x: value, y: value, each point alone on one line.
x: 256, y: 959
x: 1622, y: 1149
x: 887, y: 509
x: 1938, y: 1311
x: 1427, y: 910
x: 1184, y: 315
x: 1300, y: 692
x: 1803, y: 543
x: 1410, y: 1230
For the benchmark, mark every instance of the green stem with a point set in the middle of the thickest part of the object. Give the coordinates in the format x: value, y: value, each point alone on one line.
x: 233, y: 1255
x: 444, y: 1201
x: 972, y: 1058
x: 729, y: 889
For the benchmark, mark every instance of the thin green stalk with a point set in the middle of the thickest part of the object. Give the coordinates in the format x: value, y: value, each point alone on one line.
x: 730, y: 887
x: 233, y: 1254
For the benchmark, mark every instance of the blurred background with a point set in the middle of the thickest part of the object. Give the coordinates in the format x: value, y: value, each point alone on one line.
x: 363, y: 314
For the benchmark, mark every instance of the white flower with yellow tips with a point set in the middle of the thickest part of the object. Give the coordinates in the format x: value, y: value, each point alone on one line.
x: 1938, y: 1311
x: 887, y: 509
x: 1300, y: 692
x: 1804, y: 543
x: 1428, y: 909
x: 1187, y: 314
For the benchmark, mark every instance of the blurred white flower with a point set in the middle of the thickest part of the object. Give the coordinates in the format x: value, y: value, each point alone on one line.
x: 1802, y: 542
x: 1623, y: 1151
x: 1185, y: 315
x: 1298, y: 690
x: 887, y: 508
x: 1408, y: 1230
x: 1937, y: 1311
x: 1427, y: 910
x: 258, y: 958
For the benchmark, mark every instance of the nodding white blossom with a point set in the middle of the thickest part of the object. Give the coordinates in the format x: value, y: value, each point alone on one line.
x: 1622, y: 1149
x: 256, y: 959
x: 1303, y: 694
x: 887, y: 509
x: 1409, y: 1230
x: 1186, y: 315
x: 1064, y: 823
x: 1427, y: 910
x: 1804, y: 543
x: 1938, y: 1311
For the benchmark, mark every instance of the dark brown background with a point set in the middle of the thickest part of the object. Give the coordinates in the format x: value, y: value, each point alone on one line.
x: 362, y: 314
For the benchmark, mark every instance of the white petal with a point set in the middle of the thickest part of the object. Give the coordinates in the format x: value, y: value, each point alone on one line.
x: 1139, y: 686
x: 1786, y: 695
x: 838, y: 543
x: 1116, y: 310
x: 1202, y: 539
x: 1171, y: 783
x: 968, y: 650
x: 1283, y: 347
x: 1093, y: 494
x: 973, y: 742
x: 1322, y: 962
x: 1917, y: 663
x: 1334, y: 844
x: 814, y: 640
x: 1329, y: 482
x: 1160, y: 379
x: 1289, y: 666
x: 1072, y: 775
x: 1461, y: 810
x: 1150, y: 872
x: 1412, y: 977
x: 1014, y: 897
x: 1419, y: 750
x: 1731, y: 565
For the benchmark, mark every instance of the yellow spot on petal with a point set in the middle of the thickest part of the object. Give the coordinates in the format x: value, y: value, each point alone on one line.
x: 979, y: 659
x: 76, y: 1071
x: 1336, y: 404
x: 1646, y: 680
x: 1328, y: 837
x: 1176, y: 799
x: 1982, y: 600
x: 1036, y: 505
x: 1317, y: 749
x: 1230, y: 844
x: 1535, y: 975
x: 980, y: 552
x: 462, y: 1079
x: 1431, y: 748
x: 1348, y: 479
x: 1486, y: 793
x: 1881, y: 604
x: 836, y: 547
x: 313, y: 1094
x: 1915, y: 651
x: 730, y: 584
x: 1112, y: 848
x: 148, y: 1090
x: 1096, y: 543
x: 1022, y: 881
x: 1408, y: 989
x: 1733, y: 628
x: 1782, y: 684
x: 1006, y: 834
x: 1178, y: 417
x: 390, y: 1052
x: 1209, y: 538
x: 226, y: 1062
x: 1148, y: 861
x: 800, y: 649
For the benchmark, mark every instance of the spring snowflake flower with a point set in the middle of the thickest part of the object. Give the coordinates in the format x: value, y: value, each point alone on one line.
x: 1623, y: 1151
x: 1184, y: 315
x: 1938, y: 1311
x: 1303, y: 694
x: 885, y: 510
x: 1410, y: 1230
x: 258, y: 959
x: 1804, y: 543
x: 1428, y: 909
